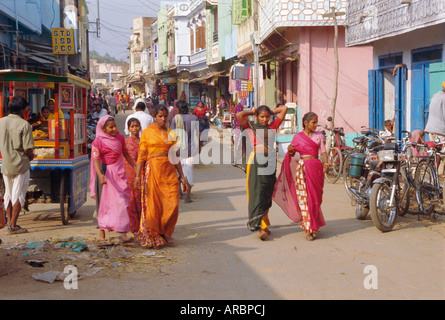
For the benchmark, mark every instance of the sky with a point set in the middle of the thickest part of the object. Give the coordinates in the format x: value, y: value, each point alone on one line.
x: 116, y: 22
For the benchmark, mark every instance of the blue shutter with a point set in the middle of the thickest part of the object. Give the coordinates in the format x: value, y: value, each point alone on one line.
x: 400, y: 102
x: 375, y: 97
x: 417, y: 92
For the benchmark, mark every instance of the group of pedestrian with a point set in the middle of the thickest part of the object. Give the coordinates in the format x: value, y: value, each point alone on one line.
x: 136, y: 181
x: 299, y: 187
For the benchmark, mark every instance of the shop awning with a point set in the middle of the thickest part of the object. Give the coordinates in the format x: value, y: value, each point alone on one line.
x: 208, y: 76
x: 29, y: 76
x: 79, y: 81
x: 272, y: 54
x: 19, y: 75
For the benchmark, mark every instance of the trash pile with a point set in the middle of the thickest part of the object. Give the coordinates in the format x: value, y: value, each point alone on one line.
x: 88, y: 256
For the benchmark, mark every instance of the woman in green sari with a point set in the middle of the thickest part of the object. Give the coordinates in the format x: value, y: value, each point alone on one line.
x: 261, y: 166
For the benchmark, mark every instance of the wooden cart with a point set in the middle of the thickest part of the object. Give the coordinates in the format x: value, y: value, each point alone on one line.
x: 60, y: 170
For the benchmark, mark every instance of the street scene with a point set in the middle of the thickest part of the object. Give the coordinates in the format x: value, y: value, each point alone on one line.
x: 202, y: 150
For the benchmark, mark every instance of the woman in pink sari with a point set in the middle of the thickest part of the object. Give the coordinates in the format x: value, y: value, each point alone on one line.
x: 108, y: 180
x: 299, y: 187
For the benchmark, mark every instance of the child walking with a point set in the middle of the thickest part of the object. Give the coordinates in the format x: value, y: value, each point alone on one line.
x: 132, y: 146
x: 108, y: 172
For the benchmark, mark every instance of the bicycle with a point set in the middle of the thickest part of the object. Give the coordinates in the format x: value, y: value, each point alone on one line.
x: 338, y: 151
x: 430, y: 191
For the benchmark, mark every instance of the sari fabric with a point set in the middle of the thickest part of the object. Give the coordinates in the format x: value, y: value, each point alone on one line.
x: 115, y: 196
x: 260, y: 186
x: 160, y: 187
x: 310, y: 173
x: 416, y: 137
x: 132, y: 146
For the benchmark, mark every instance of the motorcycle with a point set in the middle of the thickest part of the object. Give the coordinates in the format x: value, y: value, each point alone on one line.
x: 361, y: 169
x: 385, y: 196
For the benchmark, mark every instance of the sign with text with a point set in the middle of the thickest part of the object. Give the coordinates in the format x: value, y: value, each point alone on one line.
x: 109, y: 68
x: 63, y: 40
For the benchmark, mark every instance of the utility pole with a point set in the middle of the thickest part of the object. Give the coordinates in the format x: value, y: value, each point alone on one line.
x: 63, y: 57
x: 256, y: 53
x: 334, y: 14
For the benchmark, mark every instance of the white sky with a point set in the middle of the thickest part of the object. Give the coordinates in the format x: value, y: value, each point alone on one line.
x: 116, y: 23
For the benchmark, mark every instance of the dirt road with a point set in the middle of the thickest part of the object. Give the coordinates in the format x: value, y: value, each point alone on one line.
x: 216, y: 257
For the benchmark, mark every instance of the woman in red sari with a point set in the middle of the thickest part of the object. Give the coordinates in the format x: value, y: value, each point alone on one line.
x: 299, y: 187
x: 132, y: 145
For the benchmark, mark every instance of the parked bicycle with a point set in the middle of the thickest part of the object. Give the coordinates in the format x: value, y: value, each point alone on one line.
x: 337, y: 152
x: 430, y: 191
x: 391, y: 193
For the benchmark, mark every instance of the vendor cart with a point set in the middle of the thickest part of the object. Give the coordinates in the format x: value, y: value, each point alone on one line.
x: 60, y: 169
x: 227, y: 118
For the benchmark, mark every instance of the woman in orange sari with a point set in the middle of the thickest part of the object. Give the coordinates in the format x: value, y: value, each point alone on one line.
x: 160, y: 185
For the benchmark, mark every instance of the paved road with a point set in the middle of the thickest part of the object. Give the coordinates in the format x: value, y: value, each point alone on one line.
x: 216, y: 257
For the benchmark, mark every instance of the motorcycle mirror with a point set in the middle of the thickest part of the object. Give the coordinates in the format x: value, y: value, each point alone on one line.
x: 329, y: 118
x: 437, y: 140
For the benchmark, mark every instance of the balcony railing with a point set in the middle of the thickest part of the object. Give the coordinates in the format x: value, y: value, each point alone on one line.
x: 188, y: 62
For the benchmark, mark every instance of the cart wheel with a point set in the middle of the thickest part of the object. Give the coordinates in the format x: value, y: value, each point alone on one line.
x: 64, y: 198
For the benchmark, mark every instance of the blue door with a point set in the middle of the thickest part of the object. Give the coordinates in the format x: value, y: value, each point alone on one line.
x: 375, y: 96
x: 420, y: 84
x: 399, y: 103
x: 419, y: 96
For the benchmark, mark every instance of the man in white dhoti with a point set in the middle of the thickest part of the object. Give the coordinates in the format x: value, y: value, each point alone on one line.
x: 16, y: 147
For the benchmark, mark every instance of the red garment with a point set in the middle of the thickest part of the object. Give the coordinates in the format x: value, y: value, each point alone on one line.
x: 200, y: 113
x: 135, y: 209
x: 285, y: 191
x: 253, y: 139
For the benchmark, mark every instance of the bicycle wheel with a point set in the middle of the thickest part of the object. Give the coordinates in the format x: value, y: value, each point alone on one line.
x: 335, y: 161
x: 404, y: 192
x: 427, y: 189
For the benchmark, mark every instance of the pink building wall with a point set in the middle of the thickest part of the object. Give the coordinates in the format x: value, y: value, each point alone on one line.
x: 317, y: 77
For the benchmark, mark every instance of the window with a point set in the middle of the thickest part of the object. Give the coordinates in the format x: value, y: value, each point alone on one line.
x: 390, y: 60
x: 241, y: 10
x: 430, y: 54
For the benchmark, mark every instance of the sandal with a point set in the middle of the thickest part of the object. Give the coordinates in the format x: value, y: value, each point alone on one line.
x: 17, y: 230
x: 310, y: 237
x: 125, y: 239
x: 169, y: 240
x: 263, y: 234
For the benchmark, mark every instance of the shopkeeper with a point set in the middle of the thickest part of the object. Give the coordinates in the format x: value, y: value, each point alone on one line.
x: 51, y: 104
x: 44, y: 114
